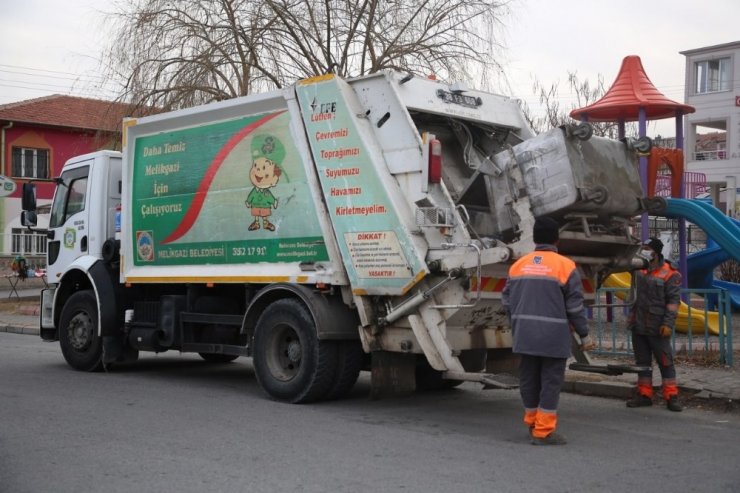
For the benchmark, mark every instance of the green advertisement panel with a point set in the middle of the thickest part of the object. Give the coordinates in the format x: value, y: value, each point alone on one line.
x: 232, y: 192
x: 377, y: 251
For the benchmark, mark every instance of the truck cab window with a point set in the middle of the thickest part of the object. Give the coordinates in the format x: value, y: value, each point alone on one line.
x: 70, y: 197
x: 76, y: 200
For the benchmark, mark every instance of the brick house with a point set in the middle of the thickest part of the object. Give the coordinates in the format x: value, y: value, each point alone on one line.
x: 37, y: 136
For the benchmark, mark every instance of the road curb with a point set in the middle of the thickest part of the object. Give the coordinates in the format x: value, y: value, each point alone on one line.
x: 622, y: 390
x: 619, y: 390
x: 16, y: 329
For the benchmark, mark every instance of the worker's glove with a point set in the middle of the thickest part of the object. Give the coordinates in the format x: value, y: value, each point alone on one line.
x: 665, y: 331
x: 587, y: 344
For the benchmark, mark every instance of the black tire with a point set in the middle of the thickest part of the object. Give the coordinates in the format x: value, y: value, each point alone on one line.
x: 350, y: 358
x: 81, y: 345
x: 218, y: 358
x: 290, y: 362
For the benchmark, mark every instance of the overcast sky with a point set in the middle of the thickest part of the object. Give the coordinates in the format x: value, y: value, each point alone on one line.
x: 52, y: 46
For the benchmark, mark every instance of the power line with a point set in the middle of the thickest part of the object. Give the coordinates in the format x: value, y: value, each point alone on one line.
x: 83, y: 77
x: 100, y: 94
x: 11, y: 83
x: 21, y: 67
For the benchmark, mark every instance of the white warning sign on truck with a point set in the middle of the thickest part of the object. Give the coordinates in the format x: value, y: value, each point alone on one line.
x: 377, y: 255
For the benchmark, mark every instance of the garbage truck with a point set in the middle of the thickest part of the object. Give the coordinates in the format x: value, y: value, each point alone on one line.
x: 324, y: 229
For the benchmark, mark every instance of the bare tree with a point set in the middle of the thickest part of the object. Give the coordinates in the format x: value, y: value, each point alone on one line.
x: 177, y: 53
x: 554, y: 115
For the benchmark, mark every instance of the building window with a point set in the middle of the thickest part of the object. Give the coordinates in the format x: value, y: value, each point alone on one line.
x: 712, y: 75
x: 28, y: 242
x: 710, y: 141
x: 30, y: 163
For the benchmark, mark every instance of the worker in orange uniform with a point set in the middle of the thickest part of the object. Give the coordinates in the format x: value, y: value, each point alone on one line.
x: 544, y: 301
x: 651, y: 320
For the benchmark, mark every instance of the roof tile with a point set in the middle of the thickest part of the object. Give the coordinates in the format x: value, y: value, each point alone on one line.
x: 68, y: 111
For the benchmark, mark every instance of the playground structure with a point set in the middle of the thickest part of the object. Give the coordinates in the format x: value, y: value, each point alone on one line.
x: 633, y: 97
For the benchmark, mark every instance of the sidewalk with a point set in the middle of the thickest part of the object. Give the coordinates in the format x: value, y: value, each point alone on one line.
x: 20, y: 315
x: 712, y: 384
x: 715, y: 384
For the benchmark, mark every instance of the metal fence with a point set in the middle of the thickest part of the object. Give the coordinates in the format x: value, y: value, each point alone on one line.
x: 702, y: 332
x: 713, y: 155
x: 23, y: 241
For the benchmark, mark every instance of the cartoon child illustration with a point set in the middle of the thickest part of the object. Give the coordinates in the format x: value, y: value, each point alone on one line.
x: 267, y: 154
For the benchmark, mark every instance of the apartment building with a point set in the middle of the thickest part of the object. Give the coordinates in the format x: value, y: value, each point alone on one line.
x: 712, y: 144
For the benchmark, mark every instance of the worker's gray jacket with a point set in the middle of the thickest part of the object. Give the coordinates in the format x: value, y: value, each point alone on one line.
x: 658, y: 295
x: 544, y: 299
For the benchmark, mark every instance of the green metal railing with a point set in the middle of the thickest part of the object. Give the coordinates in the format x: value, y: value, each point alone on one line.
x: 613, y: 338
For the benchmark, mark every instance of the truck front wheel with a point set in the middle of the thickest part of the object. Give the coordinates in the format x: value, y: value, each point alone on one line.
x: 81, y: 345
x: 290, y: 362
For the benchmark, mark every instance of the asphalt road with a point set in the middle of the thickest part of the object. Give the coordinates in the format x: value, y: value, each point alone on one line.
x: 173, y: 423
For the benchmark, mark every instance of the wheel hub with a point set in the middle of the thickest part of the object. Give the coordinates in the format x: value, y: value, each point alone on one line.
x: 80, y: 333
x: 294, y: 351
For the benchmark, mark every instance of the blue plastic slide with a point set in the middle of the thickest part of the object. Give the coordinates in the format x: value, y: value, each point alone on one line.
x: 701, y: 267
x: 724, y: 230
x: 732, y: 288
x: 701, y: 264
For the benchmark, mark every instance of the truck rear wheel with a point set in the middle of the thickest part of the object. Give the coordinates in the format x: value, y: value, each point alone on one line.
x: 81, y: 345
x: 290, y: 362
x: 349, y: 363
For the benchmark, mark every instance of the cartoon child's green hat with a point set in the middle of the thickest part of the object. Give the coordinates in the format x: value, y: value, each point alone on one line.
x: 268, y: 146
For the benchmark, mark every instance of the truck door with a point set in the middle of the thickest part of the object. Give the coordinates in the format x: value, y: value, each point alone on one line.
x: 69, y: 221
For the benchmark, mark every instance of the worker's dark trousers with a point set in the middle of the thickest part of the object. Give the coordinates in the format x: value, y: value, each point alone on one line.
x: 540, y: 381
x: 647, y: 347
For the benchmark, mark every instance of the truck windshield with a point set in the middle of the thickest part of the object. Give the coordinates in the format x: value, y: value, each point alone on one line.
x: 70, y: 196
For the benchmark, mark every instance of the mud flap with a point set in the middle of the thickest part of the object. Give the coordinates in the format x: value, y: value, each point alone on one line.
x: 392, y: 374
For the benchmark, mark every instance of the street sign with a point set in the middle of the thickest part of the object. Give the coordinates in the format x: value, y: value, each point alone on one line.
x: 7, y: 186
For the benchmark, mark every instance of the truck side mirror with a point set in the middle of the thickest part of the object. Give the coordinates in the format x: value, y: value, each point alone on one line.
x: 28, y: 219
x: 28, y: 200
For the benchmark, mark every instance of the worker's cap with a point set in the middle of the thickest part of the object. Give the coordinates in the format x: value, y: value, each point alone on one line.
x: 269, y: 147
x: 655, y: 245
x: 546, y: 230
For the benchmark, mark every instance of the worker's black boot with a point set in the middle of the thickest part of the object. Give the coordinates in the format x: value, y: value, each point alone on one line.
x: 673, y: 405
x: 640, y: 401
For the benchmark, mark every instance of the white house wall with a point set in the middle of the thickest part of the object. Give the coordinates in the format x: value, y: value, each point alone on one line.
x: 714, y: 107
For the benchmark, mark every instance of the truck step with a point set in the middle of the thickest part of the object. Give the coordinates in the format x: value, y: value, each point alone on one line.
x: 489, y: 380
x: 211, y: 318
x: 192, y: 347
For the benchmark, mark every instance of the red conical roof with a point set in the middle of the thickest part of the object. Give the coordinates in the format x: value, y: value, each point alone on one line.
x: 631, y: 91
